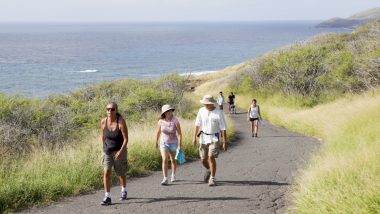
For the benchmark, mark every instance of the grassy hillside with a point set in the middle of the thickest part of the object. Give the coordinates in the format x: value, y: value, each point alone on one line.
x: 318, y: 70
x: 327, y: 87
x: 354, y: 20
x: 26, y: 124
x: 373, y: 13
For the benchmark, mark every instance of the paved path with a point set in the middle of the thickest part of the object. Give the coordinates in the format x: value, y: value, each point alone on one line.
x: 253, y: 176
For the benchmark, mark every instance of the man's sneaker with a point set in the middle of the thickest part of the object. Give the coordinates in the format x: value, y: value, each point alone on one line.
x: 211, y: 182
x: 123, y: 195
x: 164, y: 182
x: 207, y: 176
x: 172, y: 179
x: 106, y: 201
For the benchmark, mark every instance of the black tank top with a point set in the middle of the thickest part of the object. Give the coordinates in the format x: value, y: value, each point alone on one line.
x: 114, y: 139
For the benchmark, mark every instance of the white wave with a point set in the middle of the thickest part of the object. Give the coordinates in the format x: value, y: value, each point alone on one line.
x: 85, y: 71
x: 198, y: 73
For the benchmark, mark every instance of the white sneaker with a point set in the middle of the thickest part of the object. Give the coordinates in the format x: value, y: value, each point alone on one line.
x: 211, y: 182
x: 172, y: 179
x: 164, y: 182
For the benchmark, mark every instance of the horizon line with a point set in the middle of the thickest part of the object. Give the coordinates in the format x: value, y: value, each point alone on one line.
x: 157, y: 22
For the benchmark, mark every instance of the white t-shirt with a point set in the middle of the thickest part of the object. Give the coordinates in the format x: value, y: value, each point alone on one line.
x: 210, y: 122
x: 220, y: 100
x: 254, y: 112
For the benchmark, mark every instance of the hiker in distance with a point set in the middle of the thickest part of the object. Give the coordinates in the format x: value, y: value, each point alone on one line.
x: 209, y: 125
x: 114, y: 135
x: 231, y: 103
x: 168, y: 129
x: 220, y: 100
x: 254, y: 117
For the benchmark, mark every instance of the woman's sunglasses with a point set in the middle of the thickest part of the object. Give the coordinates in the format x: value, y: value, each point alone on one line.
x: 110, y: 109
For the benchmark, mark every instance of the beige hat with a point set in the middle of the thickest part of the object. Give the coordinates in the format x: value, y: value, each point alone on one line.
x: 166, y: 108
x: 208, y: 99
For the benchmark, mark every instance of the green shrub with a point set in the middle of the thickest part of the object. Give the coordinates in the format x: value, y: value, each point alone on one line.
x: 327, y: 64
x: 51, y: 122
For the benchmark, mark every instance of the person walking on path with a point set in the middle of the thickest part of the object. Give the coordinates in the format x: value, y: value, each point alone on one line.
x: 168, y: 128
x: 220, y: 100
x: 254, y: 116
x: 114, y: 133
x: 231, y: 103
x: 209, y: 124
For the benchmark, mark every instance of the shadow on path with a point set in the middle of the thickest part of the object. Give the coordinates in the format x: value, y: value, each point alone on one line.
x: 237, y: 113
x: 250, y: 183
x: 184, y: 199
x: 283, y: 136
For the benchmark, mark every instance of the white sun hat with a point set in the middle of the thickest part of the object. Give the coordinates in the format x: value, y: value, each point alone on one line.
x: 208, y: 99
x: 166, y: 108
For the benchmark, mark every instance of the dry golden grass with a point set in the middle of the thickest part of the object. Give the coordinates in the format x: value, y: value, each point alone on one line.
x: 216, y: 82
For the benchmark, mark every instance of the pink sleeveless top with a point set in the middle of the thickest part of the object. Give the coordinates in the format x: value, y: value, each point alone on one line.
x: 169, y: 131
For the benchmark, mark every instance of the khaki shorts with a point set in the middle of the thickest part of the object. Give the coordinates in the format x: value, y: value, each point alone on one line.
x: 209, y: 150
x: 120, y: 165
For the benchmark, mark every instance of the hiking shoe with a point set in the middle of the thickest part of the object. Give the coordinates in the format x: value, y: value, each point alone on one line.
x: 164, y: 182
x: 256, y: 135
x: 211, y: 182
x: 106, y: 201
x: 123, y: 195
x: 172, y: 179
x: 207, y: 176
x: 253, y: 135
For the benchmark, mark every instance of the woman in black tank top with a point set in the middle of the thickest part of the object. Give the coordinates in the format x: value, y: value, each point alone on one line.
x: 114, y: 138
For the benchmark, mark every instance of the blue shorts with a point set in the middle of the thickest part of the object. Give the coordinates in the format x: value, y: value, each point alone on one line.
x: 171, y: 147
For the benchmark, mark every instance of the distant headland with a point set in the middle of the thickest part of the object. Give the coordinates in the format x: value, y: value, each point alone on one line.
x: 353, y: 21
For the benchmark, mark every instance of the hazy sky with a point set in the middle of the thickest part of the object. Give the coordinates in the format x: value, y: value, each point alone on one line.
x: 177, y: 10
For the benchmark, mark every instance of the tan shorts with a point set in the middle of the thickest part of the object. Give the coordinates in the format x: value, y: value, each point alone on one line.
x: 209, y: 150
x: 120, y: 165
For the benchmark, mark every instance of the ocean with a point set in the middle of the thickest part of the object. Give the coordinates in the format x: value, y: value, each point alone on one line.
x: 42, y: 59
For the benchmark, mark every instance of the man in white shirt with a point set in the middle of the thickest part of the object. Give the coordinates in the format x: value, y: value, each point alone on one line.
x: 220, y: 100
x: 209, y: 124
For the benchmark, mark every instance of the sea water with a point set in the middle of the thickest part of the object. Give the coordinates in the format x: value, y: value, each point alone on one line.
x: 41, y: 59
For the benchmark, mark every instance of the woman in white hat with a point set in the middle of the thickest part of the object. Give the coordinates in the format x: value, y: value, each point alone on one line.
x: 170, y: 136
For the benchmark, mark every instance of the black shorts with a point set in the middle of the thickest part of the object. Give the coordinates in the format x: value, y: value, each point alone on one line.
x: 253, y: 119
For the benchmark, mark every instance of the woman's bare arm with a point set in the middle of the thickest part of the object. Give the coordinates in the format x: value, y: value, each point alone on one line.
x: 158, y: 134
x: 179, y: 131
x: 102, y: 124
x: 124, y: 131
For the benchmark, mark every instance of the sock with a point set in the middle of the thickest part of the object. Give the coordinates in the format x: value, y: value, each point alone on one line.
x: 108, y: 194
x: 212, y: 177
x: 173, y: 175
x: 124, y: 189
x: 165, y: 178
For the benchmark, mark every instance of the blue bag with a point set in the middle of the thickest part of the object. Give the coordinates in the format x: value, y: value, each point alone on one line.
x: 180, y: 157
